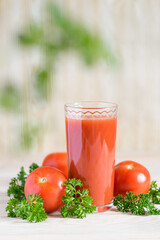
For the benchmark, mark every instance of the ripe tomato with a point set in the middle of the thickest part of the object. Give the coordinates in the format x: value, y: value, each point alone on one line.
x: 48, y: 183
x: 57, y: 160
x: 131, y: 176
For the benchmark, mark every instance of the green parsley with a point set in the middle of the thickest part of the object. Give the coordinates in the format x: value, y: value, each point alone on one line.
x: 154, y: 192
x: 136, y: 204
x: 11, y: 205
x: 32, y: 167
x: 76, y: 201
x: 16, y: 185
x: 31, y: 210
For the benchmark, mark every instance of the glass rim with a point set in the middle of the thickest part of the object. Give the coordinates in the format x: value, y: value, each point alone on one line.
x: 88, y: 105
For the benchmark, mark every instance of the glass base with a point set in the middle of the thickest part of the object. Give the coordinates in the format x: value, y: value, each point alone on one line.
x: 104, y: 208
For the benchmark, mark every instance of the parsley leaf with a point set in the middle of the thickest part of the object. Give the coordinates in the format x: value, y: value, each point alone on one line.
x: 31, y: 209
x: 16, y: 185
x: 77, y: 202
x: 11, y: 205
x: 154, y: 192
x: 32, y: 167
x: 136, y: 204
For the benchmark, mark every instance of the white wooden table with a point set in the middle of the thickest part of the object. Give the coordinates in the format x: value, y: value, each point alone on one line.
x: 99, y: 226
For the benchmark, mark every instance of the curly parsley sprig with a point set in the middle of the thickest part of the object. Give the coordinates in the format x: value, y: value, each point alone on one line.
x: 142, y: 204
x: 31, y: 210
x: 16, y: 185
x: 77, y: 201
x: 154, y: 192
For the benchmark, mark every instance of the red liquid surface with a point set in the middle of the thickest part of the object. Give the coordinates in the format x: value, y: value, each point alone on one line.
x: 91, y: 155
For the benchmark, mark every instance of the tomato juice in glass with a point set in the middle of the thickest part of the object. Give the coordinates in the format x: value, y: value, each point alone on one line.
x: 91, y: 137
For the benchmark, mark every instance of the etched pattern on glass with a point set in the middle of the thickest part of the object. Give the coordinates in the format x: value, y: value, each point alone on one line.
x: 90, y: 113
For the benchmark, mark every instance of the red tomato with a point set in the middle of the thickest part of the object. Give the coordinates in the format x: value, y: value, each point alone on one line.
x: 57, y: 160
x: 48, y: 183
x: 131, y: 176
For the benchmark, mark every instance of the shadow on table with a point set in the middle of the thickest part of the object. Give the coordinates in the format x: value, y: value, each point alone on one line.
x: 55, y: 215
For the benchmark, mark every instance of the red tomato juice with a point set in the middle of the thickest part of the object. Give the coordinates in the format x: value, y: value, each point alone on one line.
x: 91, y: 155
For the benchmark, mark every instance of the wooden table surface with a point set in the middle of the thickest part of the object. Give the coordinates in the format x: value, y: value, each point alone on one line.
x: 109, y: 225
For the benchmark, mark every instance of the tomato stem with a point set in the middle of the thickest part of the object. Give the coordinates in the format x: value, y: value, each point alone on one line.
x: 43, y: 180
x: 130, y: 167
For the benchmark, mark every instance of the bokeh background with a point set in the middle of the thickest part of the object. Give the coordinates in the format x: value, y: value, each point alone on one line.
x: 81, y: 50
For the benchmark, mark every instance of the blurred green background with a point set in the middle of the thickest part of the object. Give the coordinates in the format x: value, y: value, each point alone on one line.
x: 53, y: 52
x: 54, y: 34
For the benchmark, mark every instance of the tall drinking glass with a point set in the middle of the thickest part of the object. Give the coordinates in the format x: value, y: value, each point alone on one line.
x: 91, y: 137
